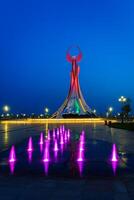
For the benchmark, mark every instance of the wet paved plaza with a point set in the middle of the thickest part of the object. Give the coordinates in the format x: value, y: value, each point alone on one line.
x: 94, y: 186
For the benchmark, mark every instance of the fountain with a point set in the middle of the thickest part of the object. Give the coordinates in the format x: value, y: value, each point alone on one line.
x: 53, y: 133
x: 48, y: 136
x: 63, y: 128
x: 114, y: 154
x: 81, y: 146
x: 80, y: 168
x: 30, y: 153
x: 41, y: 141
x: 61, y: 139
x: 30, y: 145
x: 12, y: 155
x: 80, y: 156
x: 46, y: 167
x: 60, y: 129
x: 65, y: 136
x: 68, y: 134
x: 12, y: 159
x: 82, y: 138
x: 46, y: 152
x: 114, y: 166
x: 55, y: 145
x: 58, y: 132
x: 81, y: 149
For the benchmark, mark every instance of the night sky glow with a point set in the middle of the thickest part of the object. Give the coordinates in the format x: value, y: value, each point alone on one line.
x: 34, y: 38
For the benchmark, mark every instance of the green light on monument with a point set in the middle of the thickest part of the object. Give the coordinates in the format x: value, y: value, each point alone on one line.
x: 77, y: 107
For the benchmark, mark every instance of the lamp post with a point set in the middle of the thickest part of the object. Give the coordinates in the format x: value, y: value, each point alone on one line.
x: 46, y: 111
x: 94, y: 111
x: 110, y: 110
x: 6, y: 109
x: 122, y: 100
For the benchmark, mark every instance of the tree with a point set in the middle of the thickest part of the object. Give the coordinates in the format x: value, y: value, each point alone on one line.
x: 126, y: 109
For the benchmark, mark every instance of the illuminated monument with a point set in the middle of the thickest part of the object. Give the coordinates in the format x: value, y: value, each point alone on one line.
x: 74, y: 105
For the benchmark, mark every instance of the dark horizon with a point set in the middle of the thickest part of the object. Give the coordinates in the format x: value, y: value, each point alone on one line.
x: 34, y: 39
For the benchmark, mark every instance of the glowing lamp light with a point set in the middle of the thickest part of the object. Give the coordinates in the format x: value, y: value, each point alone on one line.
x: 110, y: 109
x: 46, y: 110
x: 6, y: 108
x: 122, y: 99
x: 94, y: 111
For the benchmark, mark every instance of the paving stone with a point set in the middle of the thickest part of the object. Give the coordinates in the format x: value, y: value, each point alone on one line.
x: 119, y: 187
x: 121, y: 196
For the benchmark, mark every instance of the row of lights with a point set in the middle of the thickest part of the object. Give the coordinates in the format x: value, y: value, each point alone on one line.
x: 6, y: 110
x: 122, y: 99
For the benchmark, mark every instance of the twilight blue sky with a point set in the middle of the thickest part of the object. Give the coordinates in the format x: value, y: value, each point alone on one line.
x: 34, y: 37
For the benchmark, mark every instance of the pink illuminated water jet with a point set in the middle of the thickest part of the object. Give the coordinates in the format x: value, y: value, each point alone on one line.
x: 65, y: 136
x: 80, y: 168
x: 46, y: 168
x: 82, y: 138
x: 68, y: 134
x: 54, y: 134
x: 30, y: 153
x: 114, y: 154
x: 83, y: 133
x: 80, y: 156
x: 81, y: 148
x: 58, y: 132
x: 48, y: 136
x: 114, y: 167
x: 12, y: 155
x: 60, y: 129
x: 46, y: 153
x: 41, y: 142
x: 63, y: 128
x: 30, y: 145
x: 55, y: 145
x: 61, y: 139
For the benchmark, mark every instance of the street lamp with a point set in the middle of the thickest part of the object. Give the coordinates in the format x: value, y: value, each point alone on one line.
x: 6, y: 108
x: 110, y: 109
x: 94, y: 111
x: 46, y: 110
x: 122, y: 99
